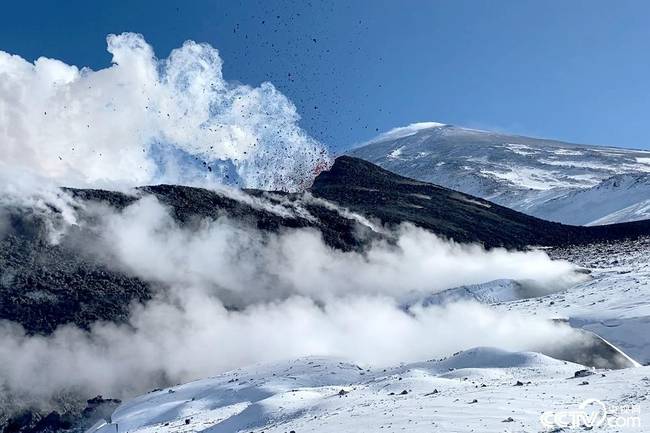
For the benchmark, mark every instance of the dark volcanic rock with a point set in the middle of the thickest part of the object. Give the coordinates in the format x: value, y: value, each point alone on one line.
x: 44, y: 285
x: 189, y: 205
x: 583, y: 373
x: 32, y: 422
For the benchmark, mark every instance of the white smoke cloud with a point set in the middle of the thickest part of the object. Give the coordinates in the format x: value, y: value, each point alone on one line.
x: 191, y: 335
x: 21, y: 189
x: 249, y: 264
x: 147, y: 120
x: 296, y: 297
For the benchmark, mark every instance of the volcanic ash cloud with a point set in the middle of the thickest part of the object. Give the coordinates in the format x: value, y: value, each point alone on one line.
x: 148, y: 120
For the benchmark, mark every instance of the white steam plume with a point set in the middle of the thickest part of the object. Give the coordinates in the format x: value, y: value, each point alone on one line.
x: 241, y: 263
x: 147, y: 120
x: 297, y: 297
x: 24, y: 190
x: 191, y: 335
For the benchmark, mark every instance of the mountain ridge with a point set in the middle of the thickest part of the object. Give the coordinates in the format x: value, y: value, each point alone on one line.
x: 527, y: 174
x: 484, y: 222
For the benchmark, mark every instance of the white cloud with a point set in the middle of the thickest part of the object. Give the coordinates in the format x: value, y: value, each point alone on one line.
x: 145, y: 120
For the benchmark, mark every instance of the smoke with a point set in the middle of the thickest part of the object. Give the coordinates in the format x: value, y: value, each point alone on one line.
x: 147, y: 120
x: 24, y: 190
x: 246, y: 265
x: 295, y: 296
x: 189, y: 336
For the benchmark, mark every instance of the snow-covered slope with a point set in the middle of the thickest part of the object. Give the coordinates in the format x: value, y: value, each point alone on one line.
x: 614, y: 304
x: 491, y: 292
x: 553, y: 180
x: 622, y: 197
x: 478, y: 389
x: 637, y: 211
x: 482, y: 389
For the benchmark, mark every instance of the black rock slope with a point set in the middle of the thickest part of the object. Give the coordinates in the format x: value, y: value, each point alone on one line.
x: 43, y: 286
x: 368, y: 189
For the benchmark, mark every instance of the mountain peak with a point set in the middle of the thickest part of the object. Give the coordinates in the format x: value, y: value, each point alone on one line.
x: 549, y: 179
x: 405, y: 131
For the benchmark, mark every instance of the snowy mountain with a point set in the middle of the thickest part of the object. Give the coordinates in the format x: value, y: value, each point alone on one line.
x: 622, y: 197
x: 552, y: 180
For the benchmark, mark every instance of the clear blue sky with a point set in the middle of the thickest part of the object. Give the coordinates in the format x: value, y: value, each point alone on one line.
x: 572, y: 70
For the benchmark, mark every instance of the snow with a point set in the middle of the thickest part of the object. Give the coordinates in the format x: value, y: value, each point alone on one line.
x: 544, y: 178
x: 475, y: 390
x: 520, y: 149
x: 526, y: 178
x: 481, y: 389
x: 405, y: 131
x: 578, y: 164
x: 463, y: 198
x: 616, y: 199
x: 635, y: 212
x: 614, y: 304
x: 396, y: 153
x: 487, y: 293
x: 568, y: 152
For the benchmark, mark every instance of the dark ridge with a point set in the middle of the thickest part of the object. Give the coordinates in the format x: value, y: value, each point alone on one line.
x: 189, y: 205
x: 372, y: 191
x: 76, y: 418
x: 114, y: 199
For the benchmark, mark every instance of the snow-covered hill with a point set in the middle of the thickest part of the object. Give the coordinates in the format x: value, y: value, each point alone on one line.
x: 622, y: 197
x: 553, y: 180
x: 479, y: 389
x: 482, y: 389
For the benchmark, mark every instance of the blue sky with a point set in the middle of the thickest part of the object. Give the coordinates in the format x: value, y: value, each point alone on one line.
x: 572, y: 70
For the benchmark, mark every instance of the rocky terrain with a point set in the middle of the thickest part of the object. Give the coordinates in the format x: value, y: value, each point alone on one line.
x: 77, y: 419
x: 481, y: 389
